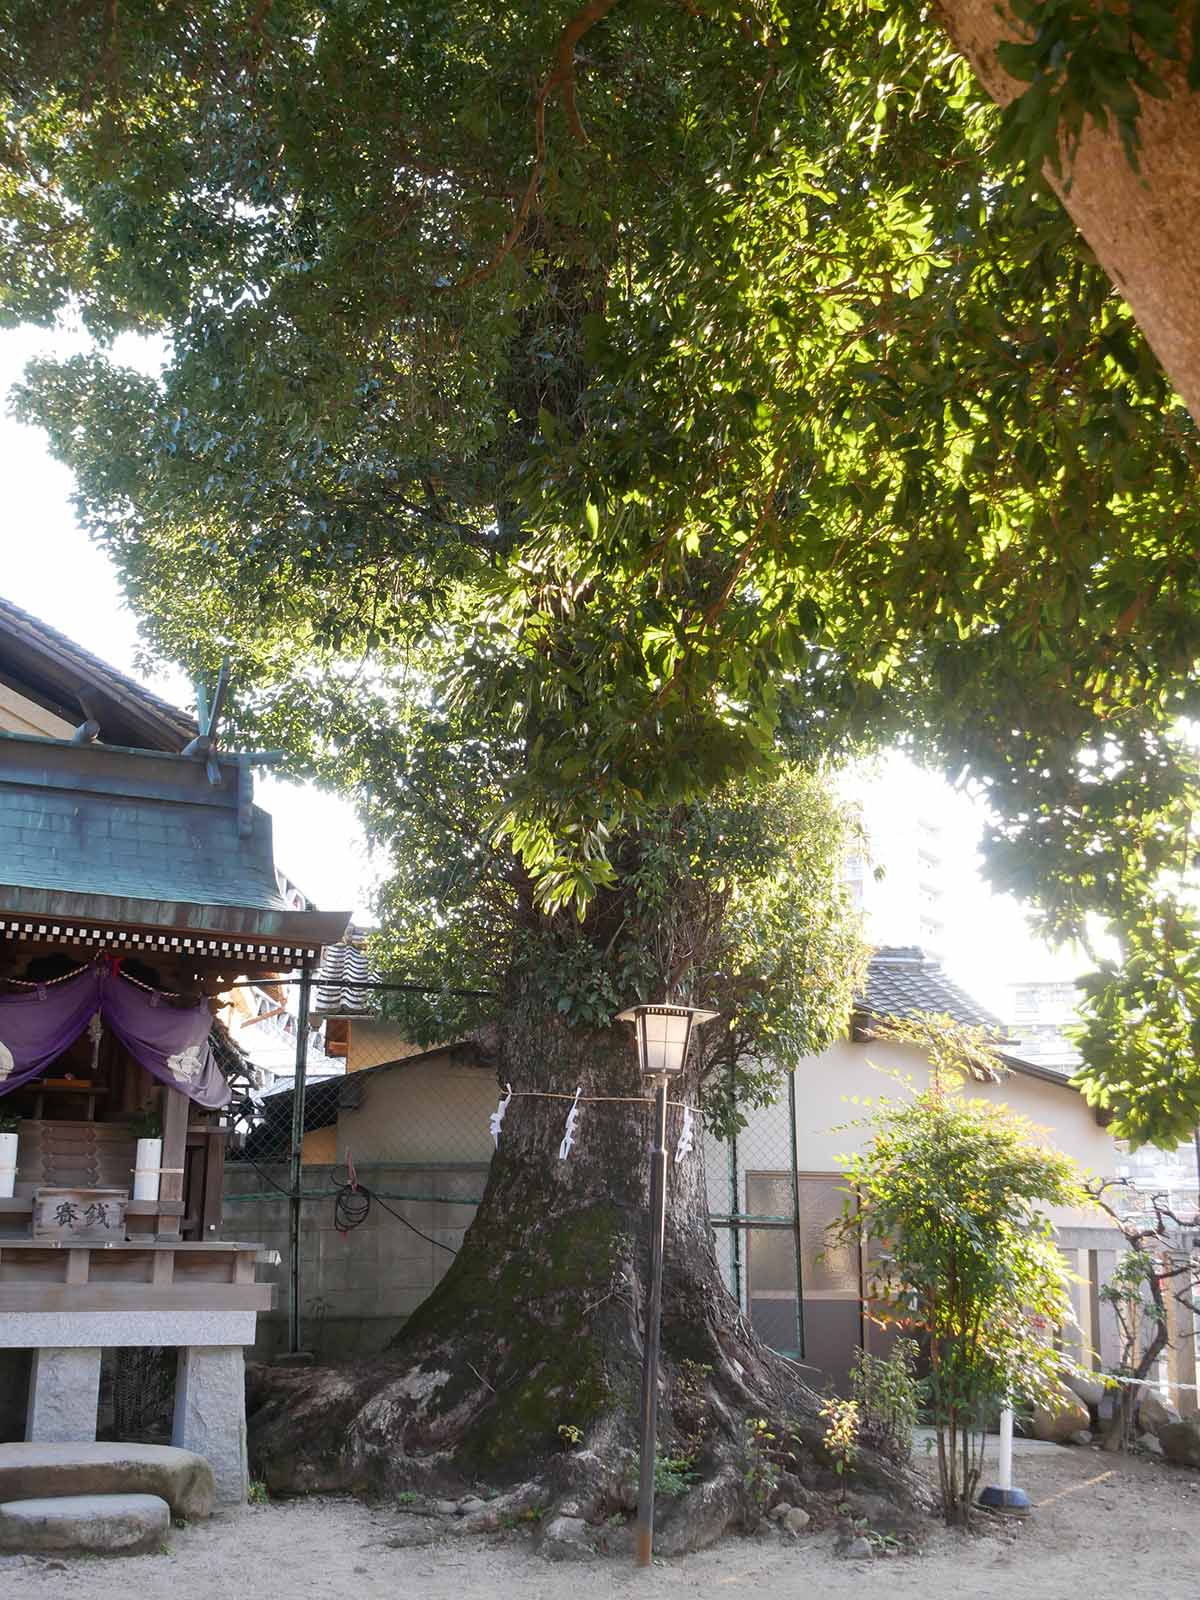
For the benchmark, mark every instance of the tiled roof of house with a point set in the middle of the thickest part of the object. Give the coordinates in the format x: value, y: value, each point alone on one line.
x: 344, y: 968
x: 902, y: 980
x: 43, y: 663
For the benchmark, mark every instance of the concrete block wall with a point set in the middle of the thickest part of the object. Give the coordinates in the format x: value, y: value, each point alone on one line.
x: 357, y: 1289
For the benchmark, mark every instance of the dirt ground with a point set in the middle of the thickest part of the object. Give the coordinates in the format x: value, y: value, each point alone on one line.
x: 1105, y: 1529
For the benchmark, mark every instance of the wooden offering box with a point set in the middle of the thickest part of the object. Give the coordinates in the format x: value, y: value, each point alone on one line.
x: 80, y: 1216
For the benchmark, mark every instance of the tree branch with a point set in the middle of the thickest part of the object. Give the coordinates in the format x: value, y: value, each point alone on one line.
x: 562, y: 77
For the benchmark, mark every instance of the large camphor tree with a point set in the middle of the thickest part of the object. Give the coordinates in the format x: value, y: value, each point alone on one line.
x: 663, y: 390
x: 537, y: 1325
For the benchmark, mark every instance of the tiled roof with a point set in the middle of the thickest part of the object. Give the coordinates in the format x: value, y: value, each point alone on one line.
x: 236, y: 1066
x: 337, y: 990
x: 37, y: 659
x: 902, y: 980
x: 129, y: 824
x: 139, y: 837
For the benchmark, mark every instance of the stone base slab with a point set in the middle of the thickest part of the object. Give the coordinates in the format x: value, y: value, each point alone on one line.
x: 85, y: 1524
x: 41, y: 1471
x: 107, y: 1330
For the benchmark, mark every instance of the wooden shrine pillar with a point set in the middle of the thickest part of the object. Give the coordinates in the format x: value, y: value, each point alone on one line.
x: 176, y: 1109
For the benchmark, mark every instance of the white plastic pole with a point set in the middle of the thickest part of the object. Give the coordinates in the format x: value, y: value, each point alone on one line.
x: 8, y: 1165
x: 1006, y: 1448
x: 146, y: 1169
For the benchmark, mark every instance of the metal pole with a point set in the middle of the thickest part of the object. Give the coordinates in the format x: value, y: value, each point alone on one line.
x: 735, y: 1210
x: 658, y: 1222
x: 294, y: 1177
x: 796, y: 1218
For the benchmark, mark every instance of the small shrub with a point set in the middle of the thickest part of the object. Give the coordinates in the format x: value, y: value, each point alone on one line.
x: 690, y: 1407
x: 569, y: 1436
x: 953, y: 1195
x: 527, y: 1516
x: 761, y: 1473
x: 407, y: 1497
x: 889, y: 1394
x: 841, y: 1434
x: 674, y: 1475
x: 257, y: 1494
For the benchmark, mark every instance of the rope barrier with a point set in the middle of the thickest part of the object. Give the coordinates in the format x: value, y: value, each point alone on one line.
x: 1115, y: 1380
x: 47, y: 983
x: 599, y: 1099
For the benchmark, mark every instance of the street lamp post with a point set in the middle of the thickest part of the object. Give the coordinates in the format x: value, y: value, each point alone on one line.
x: 663, y: 1034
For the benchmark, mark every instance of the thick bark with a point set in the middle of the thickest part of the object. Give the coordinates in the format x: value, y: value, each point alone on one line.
x: 1144, y: 227
x: 538, y: 1325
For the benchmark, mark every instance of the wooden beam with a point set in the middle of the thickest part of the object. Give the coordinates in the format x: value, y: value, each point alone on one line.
x: 78, y: 1265
x: 214, y: 1183
x: 213, y: 1247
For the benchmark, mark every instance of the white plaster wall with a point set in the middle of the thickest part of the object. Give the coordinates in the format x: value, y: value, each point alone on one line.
x: 434, y: 1111
x: 373, y: 1041
x: 827, y: 1086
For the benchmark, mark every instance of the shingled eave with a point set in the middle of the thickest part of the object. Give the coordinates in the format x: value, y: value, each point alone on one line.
x: 53, y: 671
x: 310, y: 928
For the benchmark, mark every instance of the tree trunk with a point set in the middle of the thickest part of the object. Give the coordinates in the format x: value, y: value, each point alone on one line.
x: 1144, y: 227
x: 537, y: 1326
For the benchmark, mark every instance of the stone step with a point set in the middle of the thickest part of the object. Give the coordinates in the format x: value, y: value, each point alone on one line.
x: 38, y: 1471
x: 85, y: 1524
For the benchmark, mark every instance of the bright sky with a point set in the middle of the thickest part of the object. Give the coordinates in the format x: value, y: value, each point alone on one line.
x: 49, y: 567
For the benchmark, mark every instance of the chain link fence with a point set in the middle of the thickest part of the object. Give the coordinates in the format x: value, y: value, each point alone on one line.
x: 799, y: 1288
x: 753, y: 1207
x: 389, y: 1169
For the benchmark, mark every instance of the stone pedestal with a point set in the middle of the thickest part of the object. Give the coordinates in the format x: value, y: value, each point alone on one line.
x: 64, y: 1395
x: 210, y: 1414
x: 1181, y: 1352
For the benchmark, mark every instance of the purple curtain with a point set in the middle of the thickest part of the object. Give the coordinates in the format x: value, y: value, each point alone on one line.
x: 170, y: 1041
x: 38, y: 1025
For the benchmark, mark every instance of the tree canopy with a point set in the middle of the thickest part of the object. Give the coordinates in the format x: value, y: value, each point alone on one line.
x: 707, y: 373
x: 737, y: 899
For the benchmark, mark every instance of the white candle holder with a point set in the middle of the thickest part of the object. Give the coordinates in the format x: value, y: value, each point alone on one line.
x: 147, y: 1169
x: 8, y: 1165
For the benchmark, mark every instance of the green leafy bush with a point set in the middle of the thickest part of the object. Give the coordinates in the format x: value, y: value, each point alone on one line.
x: 950, y: 1199
x: 674, y: 1475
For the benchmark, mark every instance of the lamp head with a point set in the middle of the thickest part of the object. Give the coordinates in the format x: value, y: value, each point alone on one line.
x: 663, y: 1034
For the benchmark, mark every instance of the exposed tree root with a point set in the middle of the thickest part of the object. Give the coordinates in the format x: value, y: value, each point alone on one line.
x: 396, y: 1426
